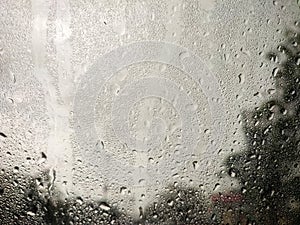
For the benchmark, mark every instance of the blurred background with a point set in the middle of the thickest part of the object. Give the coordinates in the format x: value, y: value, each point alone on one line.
x: 149, y: 112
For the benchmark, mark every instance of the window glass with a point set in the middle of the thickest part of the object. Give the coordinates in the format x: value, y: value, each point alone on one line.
x: 149, y: 112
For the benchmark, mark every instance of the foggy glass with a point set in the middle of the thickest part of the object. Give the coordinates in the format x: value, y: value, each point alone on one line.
x: 166, y: 112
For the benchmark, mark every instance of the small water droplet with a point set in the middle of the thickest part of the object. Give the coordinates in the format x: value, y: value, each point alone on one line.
x: 104, y: 206
x: 207, y: 131
x: 244, y: 190
x: 44, y: 155
x: 192, y: 107
x: 151, y: 160
x: 1, y: 190
x: 123, y: 190
x: 16, y: 169
x: 275, y: 71
x: 241, y: 78
x: 3, y: 135
x: 176, y: 175
x: 214, y: 217
x: 43, y: 158
x: 30, y: 213
x: 170, y: 202
x: 232, y: 173
x: 272, y: 193
x: 79, y: 200
x: 195, y: 165
x: 217, y: 186
x: 271, y: 91
x: 142, y: 182
x: 184, y: 55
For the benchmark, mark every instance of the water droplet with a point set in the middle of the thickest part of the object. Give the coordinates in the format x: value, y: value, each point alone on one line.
x: 123, y: 190
x: 271, y: 91
x: 258, y: 94
x: 241, y: 78
x: 170, y: 202
x: 101, y: 143
x: 275, y: 71
x: 272, y: 193
x: 232, y: 173
x: 1, y: 191
x: 43, y: 158
x: 184, y: 55
x: 207, y: 131
x: 16, y: 169
x: 244, y: 190
x: 214, y: 217
x: 195, y: 165
x: 151, y: 160
x: 176, y: 175
x: 192, y: 107
x: 3, y: 135
x: 104, y: 206
x: 217, y: 186
x: 13, y: 77
x: 142, y: 182
x: 79, y: 200
x: 30, y: 213
x: 44, y: 155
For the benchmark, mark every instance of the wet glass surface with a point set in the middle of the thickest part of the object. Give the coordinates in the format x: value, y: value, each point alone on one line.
x: 149, y: 112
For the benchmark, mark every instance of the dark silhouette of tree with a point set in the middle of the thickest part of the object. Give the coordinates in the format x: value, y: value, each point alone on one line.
x: 33, y: 200
x: 268, y: 169
x: 19, y: 203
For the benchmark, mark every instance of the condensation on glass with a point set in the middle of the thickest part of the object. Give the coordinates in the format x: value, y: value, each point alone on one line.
x: 149, y: 112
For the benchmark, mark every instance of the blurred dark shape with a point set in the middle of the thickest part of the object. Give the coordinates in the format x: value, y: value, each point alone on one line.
x: 33, y: 200
x: 228, y: 208
x: 18, y: 201
x: 228, y: 198
x: 178, y: 205
x: 268, y: 169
